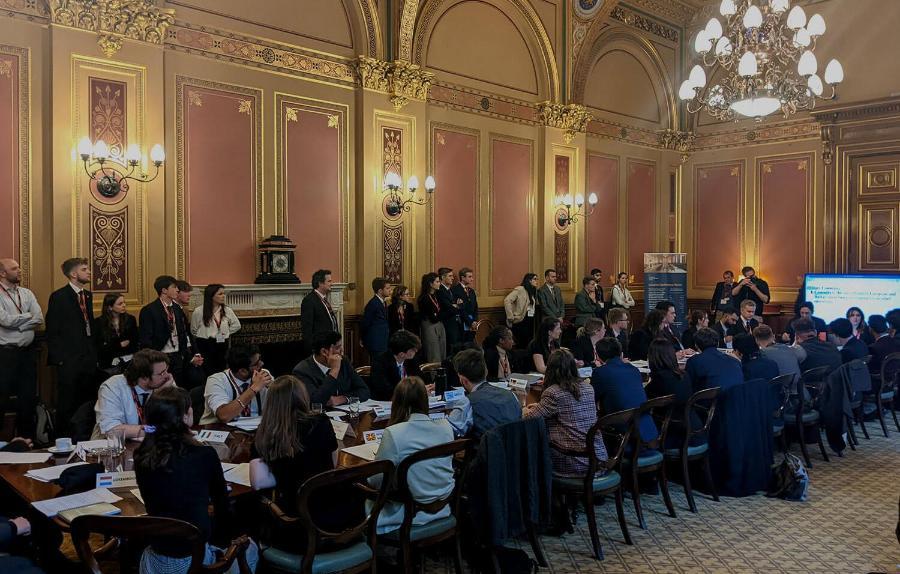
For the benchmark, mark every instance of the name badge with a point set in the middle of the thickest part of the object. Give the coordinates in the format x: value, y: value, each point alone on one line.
x: 724, y: 301
x: 116, y: 479
x: 518, y: 384
x: 450, y: 396
x: 220, y: 337
x: 530, y: 313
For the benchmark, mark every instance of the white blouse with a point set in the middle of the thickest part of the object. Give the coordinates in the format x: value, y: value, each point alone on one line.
x: 225, y: 328
x: 622, y: 296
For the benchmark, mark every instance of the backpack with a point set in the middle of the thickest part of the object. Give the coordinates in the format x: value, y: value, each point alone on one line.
x: 790, y: 480
x: 44, y: 433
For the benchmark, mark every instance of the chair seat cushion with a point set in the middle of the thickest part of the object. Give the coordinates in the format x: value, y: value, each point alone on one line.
x: 808, y: 417
x: 777, y: 427
x: 692, y: 450
x: 433, y: 528
x: 647, y: 458
x: 887, y: 396
x: 326, y: 563
x: 604, y: 482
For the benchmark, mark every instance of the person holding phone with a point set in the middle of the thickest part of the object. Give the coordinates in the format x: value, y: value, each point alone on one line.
x: 752, y: 288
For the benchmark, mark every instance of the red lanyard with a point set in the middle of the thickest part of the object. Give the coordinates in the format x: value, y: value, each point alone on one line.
x: 138, y: 406
x: 18, y: 296
x: 218, y: 321
x: 437, y: 306
x: 245, y: 412
x: 83, y: 305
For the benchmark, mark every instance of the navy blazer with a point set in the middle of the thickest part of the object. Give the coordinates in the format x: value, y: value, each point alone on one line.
x: 854, y: 349
x: 468, y: 311
x: 385, y: 375
x: 375, y: 327
x: 492, y: 407
x: 67, y: 338
x: 618, y: 386
x: 154, y: 326
x: 712, y: 368
x: 759, y: 368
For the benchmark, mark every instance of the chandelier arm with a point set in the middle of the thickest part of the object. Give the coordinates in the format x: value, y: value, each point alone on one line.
x: 93, y: 176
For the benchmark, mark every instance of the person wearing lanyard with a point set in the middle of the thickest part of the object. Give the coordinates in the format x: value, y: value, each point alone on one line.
x: 212, y: 324
x: 434, y: 336
x: 239, y: 391
x: 162, y: 326
x: 121, y: 399
x: 20, y: 315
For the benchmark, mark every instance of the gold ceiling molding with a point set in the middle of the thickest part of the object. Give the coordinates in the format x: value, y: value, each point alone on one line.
x: 572, y: 118
x: 584, y: 32
x: 33, y: 10
x: 483, y: 103
x: 407, y: 27
x: 635, y: 20
x: 767, y: 133
x: 114, y: 20
x: 401, y: 80
x: 682, y: 142
x: 605, y: 129
x: 675, y: 11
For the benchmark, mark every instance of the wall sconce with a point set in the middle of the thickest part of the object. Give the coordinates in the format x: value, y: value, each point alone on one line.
x: 109, y: 173
x: 564, y: 218
x: 395, y: 203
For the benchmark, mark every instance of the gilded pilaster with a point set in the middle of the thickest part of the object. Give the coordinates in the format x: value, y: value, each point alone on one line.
x: 114, y: 20
x: 571, y: 118
x: 401, y: 80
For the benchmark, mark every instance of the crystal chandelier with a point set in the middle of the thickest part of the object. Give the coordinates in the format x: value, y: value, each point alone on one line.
x: 766, y: 52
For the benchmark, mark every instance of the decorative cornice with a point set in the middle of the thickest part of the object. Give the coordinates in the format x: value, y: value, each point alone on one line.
x: 401, y: 80
x: 635, y: 20
x: 114, y: 20
x: 605, y: 129
x: 673, y: 11
x: 483, y: 103
x: 857, y: 111
x: 573, y: 118
x: 32, y: 10
x: 682, y: 142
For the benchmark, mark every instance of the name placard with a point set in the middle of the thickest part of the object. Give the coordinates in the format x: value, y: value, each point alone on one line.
x: 116, y: 479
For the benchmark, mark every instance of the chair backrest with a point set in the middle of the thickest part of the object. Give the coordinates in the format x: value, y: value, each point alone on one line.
x: 780, y: 387
x: 704, y: 401
x: 485, y: 326
x: 609, y: 427
x: 658, y: 406
x: 430, y: 367
x: 365, y: 371
x: 403, y: 493
x: 890, y: 372
x: 198, y: 403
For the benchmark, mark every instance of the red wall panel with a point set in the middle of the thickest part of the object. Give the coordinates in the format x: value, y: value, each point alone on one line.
x: 717, y: 200
x: 602, y: 226
x: 783, y: 231
x: 641, y: 213
x: 456, y: 200
x: 511, y: 180
x: 9, y: 155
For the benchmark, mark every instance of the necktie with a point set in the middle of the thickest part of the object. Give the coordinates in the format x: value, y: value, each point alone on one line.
x: 246, y: 410
x: 330, y: 312
x: 402, y: 371
x: 82, y: 302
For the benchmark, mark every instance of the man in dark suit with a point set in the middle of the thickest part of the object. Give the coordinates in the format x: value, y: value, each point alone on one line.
x: 726, y: 327
x: 468, y: 308
x: 549, y: 297
x: 70, y: 341
x: 195, y: 375
x: 450, y: 308
x: 162, y: 326
x: 712, y: 367
x: 851, y: 347
x: 884, y: 344
x: 395, y: 364
x: 375, y: 328
x: 806, y: 312
x: 751, y: 287
x: 818, y: 352
x: 618, y: 385
x: 316, y: 315
x: 597, y: 274
x: 722, y: 294
x: 486, y: 406
x: 328, y: 376
x: 747, y: 321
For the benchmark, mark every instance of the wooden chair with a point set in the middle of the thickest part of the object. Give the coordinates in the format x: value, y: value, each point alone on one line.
x: 146, y: 530
x: 359, y: 539
x: 591, y: 485
x: 651, y: 458
x: 856, y: 407
x: 884, y: 388
x: 780, y: 388
x: 481, y: 332
x: 808, y: 416
x: 704, y: 401
x: 410, y: 537
x: 430, y: 371
x: 365, y: 373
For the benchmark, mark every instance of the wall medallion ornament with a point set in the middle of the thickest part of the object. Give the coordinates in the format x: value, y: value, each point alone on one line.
x: 682, y: 142
x: 588, y: 8
x: 109, y: 249
x: 572, y: 118
x: 401, y: 80
x: 114, y: 20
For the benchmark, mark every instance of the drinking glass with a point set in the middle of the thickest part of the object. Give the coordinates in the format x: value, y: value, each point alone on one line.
x: 353, y: 402
x: 115, y: 441
x: 316, y: 408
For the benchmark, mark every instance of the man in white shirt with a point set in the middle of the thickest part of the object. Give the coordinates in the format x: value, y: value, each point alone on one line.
x: 20, y: 315
x: 240, y: 390
x: 121, y: 398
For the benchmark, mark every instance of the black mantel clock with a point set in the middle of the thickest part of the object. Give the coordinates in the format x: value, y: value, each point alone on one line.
x: 276, y: 260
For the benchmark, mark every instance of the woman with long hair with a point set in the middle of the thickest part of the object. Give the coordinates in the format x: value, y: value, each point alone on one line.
x: 585, y: 347
x: 497, y: 353
x: 410, y: 430
x: 401, y: 313
x: 621, y: 296
x: 212, y: 324
x: 860, y: 329
x: 434, y: 337
x: 520, y: 307
x: 179, y: 478
x: 666, y: 379
x: 117, y: 334
x: 699, y: 320
x: 640, y: 340
x: 545, y: 342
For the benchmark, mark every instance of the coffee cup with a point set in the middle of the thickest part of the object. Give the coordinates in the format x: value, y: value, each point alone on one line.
x: 63, y: 444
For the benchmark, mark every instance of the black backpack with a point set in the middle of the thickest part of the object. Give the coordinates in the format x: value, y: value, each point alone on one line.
x: 790, y: 480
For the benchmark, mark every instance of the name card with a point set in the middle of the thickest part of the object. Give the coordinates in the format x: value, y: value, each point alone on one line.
x: 518, y: 384
x: 450, y: 396
x: 373, y: 436
x: 340, y: 429
x: 213, y: 436
x: 116, y: 479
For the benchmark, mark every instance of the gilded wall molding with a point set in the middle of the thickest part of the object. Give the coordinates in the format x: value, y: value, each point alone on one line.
x: 401, y: 80
x: 114, y: 20
x: 407, y: 28
x: 673, y: 11
x: 483, y: 103
x: 605, y: 129
x: 635, y: 20
x: 571, y: 118
x: 32, y: 10
x: 806, y: 129
x: 682, y: 142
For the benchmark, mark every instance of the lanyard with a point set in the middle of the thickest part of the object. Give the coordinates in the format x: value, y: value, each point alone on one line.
x: 138, y: 405
x: 18, y: 296
x: 437, y: 306
x: 245, y: 412
x: 218, y: 321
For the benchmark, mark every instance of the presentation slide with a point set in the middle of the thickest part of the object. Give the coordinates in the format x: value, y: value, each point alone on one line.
x: 834, y: 294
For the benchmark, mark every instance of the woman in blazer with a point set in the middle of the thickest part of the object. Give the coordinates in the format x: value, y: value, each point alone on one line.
x: 585, y: 347
x: 586, y: 303
x: 520, y: 306
x: 621, y: 296
x: 434, y: 337
x: 401, y: 313
x: 212, y: 324
x: 699, y: 320
x: 117, y: 333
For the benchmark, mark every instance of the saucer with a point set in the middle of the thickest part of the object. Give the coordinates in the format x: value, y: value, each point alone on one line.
x: 55, y: 450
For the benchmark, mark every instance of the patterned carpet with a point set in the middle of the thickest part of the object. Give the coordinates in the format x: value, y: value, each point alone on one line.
x: 846, y: 526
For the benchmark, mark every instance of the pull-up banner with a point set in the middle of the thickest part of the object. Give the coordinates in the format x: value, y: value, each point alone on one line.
x: 665, y: 279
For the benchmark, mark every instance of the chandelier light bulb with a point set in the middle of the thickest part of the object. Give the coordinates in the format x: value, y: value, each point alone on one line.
x: 752, y: 17
x: 101, y: 151
x: 686, y: 91
x: 579, y: 200
x: 702, y: 43
x: 392, y: 180
x: 568, y: 199
x: 429, y: 184
x: 412, y: 183
x: 133, y: 153
x: 747, y: 65
x: 727, y: 8
x: 592, y: 199
x: 85, y: 147
x: 802, y: 38
x: 724, y: 47
x: 796, y: 18
x: 815, y: 85
x: 713, y: 29
x: 816, y: 25
x: 834, y: 73
x: 779, y: 6
x: 807, y: 66
x: 697, y: 77
x: 157, y: 155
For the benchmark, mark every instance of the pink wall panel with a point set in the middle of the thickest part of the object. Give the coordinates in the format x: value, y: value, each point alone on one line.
x: 220, y: 181
x: 511, y: 180
x: 9, y: 156
x: 456, y: 200
x: 784, y: 186
x: 640, y: 185
x: 561, y: 240
x: 312, y: 179
x: 602, y: 226
x: 717, y: 245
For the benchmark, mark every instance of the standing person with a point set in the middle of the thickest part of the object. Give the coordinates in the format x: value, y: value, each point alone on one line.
x: 401, y: 312
x: 618, y: 325
x: 20, y: 315
x: 316, y: 314
x: 70, y: 340
x: 520, y: 306
x: 450, y: 309
x: 550, y: 297
x: 621, y: 296
x: 545, y: 342
x: 117, y: 334
x: 194, y: 373
x: 722, y: 293
x: 860, y: 328
x: 434, y: 337
x: 375, y: 327
x: 163, y: 326
x: 699, y: 320
x: 751, y: 287
x: 464, y: 292
x: 212, y: 324
x: 597, y: 274
x: 586, y: 303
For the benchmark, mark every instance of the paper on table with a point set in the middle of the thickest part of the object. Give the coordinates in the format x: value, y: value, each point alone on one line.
x: 364, y: 451
x: 226, y: 466
x: 366, y: 405
x: 54, y: 506
x: 213, y: 436
x: 23, y: 457
x: 50, y: 473
x: 137, y: 494
x: 239, y: 474
x: 340, y: 429
x: 246, y: 423
x: 89, y: 444
x: 337, y: 415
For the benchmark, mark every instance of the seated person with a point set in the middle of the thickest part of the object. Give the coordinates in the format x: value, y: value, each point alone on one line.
x: 485, y: 405
x: 711, y: 367
x: 747, y: 321
x: 569, y: 409
x: 639, y: 344
x: 818, y: 352
x: 395, y: 364
x: 585, y: 347
x: 726, y: 327
x: 617, y: 322
x: 805, y: 311
x: 618, y: 385
x: 666, y: 379
x: 10, y: 529
x: 850, y: 347
x: 179, y: 478
x: 410, y: 430
x: 884, y: 344
x: 329, y: 378
x: 699, y: 319
x: 239, y: 391
x: 498, y: 346
x: 545, y: 341
x: 753, y: 364
x: 121, y: 398
x: 787, y: 358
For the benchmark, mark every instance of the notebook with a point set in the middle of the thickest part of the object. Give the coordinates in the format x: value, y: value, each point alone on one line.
x: 101, y: 508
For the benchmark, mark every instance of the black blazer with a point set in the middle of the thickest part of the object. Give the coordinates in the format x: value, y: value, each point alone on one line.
x: 427, y: 309
x: 385, y: 375
x: 67, y: 338
x: 854, y: 349
x: 409, y: 321
x: 583, y: 350
x: 315, y: 317
x: 739, y: 327
x: 109, y: 344
x: 881, y: 349
x: 724, y: 332
x: 687, y: 338
x: 468, y: 311
x: 721, y: 293
x: 449, y: 315
x: 154, y: 327
x: 322, y: 386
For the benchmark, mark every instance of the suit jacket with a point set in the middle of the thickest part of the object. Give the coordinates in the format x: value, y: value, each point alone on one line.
x: 583, y: 350
x: 720, y: 293
x: 854, y: 349
x: 492, y: 407
x: 712, y: 368
x: 819, y: 353
x: 386, y: 375
x: 67, y: 334
x: 687, y: 338
x: 449, y: 315
x: 618, y: 386
x: 315, y: 317
x: 375, y: 327
x: 724, y: 332
x: 880, y: 349
x: 407, y: 320
x: 740, y: 328
x: 585, y: 308
x: 468, y: 311
x: 321, y: 386
x: 492, y: 360
x: 109, y: 344
x: 551, y: 301
x: 154, y: 326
